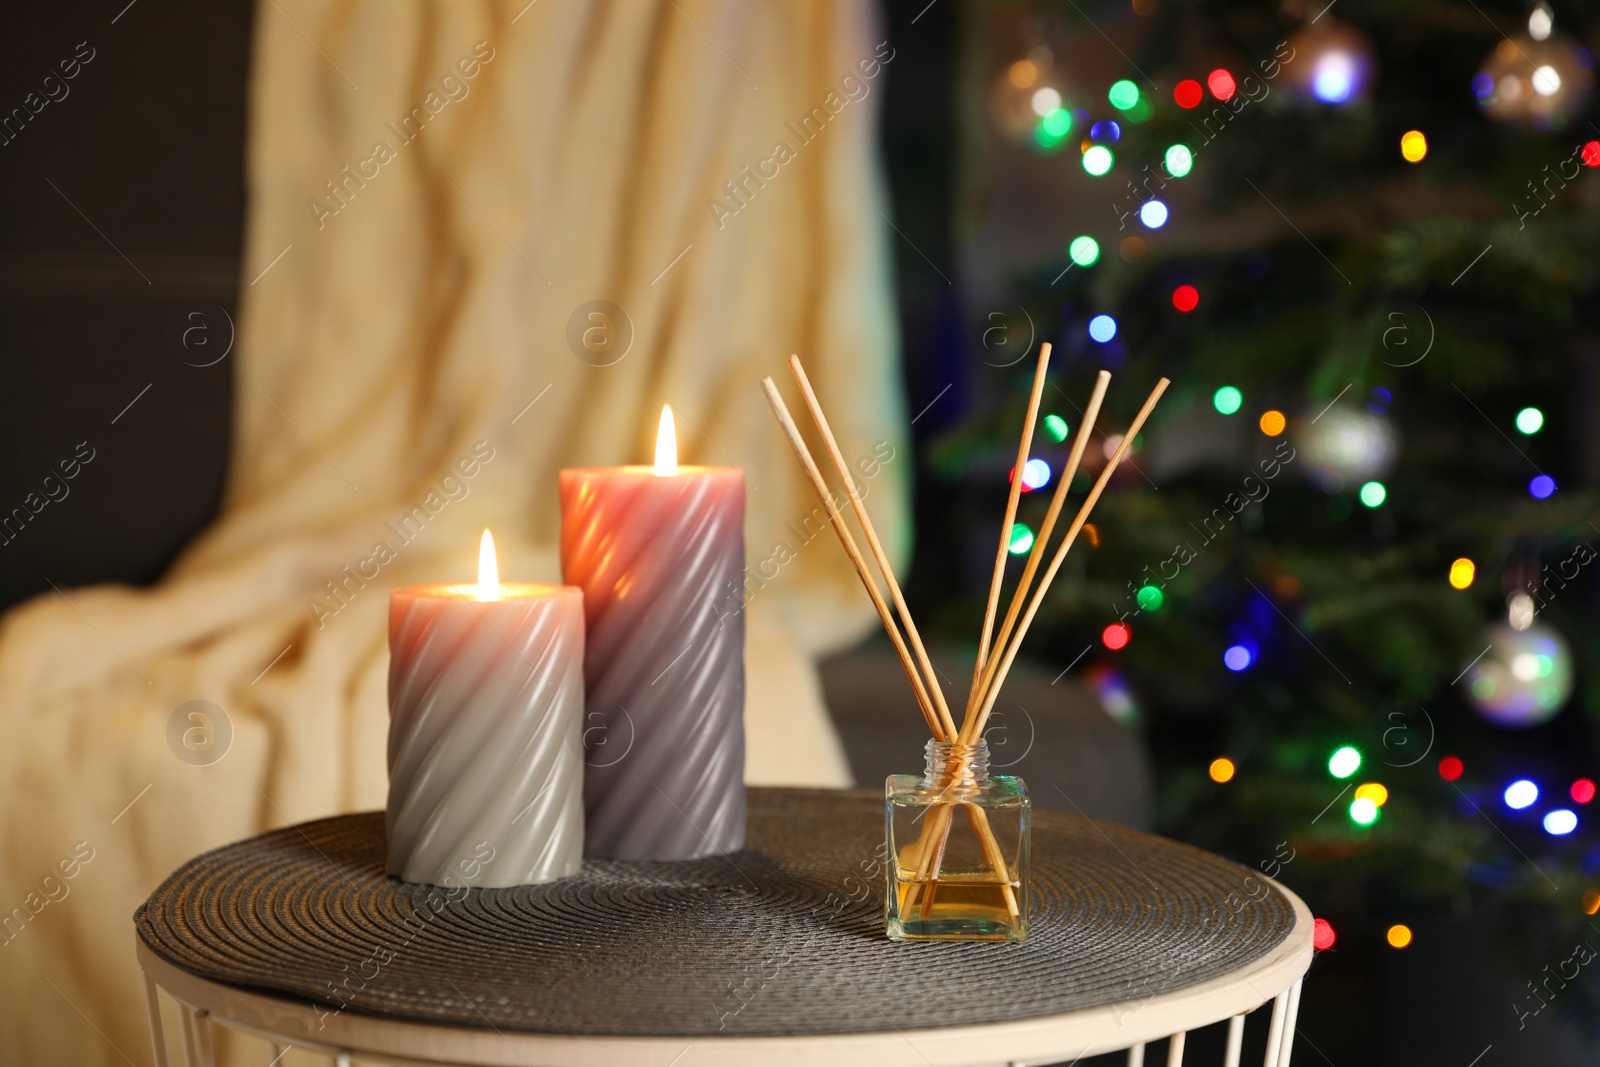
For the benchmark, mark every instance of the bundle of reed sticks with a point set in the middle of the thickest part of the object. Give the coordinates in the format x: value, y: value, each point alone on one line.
x: 997, y: 651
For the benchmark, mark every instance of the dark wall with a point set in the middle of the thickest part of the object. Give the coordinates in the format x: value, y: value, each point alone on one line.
x: 121, y: 216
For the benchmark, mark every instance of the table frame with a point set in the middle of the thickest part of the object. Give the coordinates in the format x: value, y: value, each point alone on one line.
x: 1275, y: 977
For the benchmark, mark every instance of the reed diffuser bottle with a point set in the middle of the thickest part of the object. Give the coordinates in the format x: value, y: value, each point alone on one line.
x: 958, y: 845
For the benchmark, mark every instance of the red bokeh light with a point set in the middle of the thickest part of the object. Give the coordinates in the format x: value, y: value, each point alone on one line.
x: 1116, y: 636
x: 1322, y: 935
x: 1187, y: 93
x: 1591, y: 154
x: 1583, y: 790
x: 1450, y: 768
x: 1185, y: 298
x: 1220, y: 82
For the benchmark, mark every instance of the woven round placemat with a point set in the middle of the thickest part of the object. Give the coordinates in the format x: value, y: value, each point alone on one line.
x: 784, y: 937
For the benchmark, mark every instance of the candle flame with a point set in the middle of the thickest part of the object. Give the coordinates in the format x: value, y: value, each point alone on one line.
x: 666, y: 444
x: 488, y: 570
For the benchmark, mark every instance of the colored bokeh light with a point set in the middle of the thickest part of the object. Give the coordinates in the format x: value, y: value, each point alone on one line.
x: 1413, y: 146
x: 1153, y: 214
x: 1105, y: 132
x: 1035, y: 474
x: 1021, y: 539
x: 1582, y: 791
x: 1237, y: 658
x: 1221, y: 84
x: 1056, y: 427
x: 1102, y: 328
x: 1084, y: 251
x: 1451, y: 768
x: 1185, y: 298
x: 1530, y: 421
x: 1150, y: 598
x: 1373, y: 494
x: 1560, y: 822
x: 1227, y: 400
x: 1116, y: 636
x: 1363, y: 811
x: 1399, y: 935
x: 1462, y: 572
x: 1344, y: 762
x: 1057, y: 123
x: 1187, y: 93
x: 1521, y: 794
x: 1334, y: 79
x: 1045, y: 100
x: 1323, y: 935
x: 1222, y: 769
x: 1591, y: 901
x: 1123, y: 94
x: 1376, y: 792
x: 1179, y: 160
x: 1541, y: 487
x: 1097, y: 160
x: 1272, y: 423
x: 1023, y: 73
x: 1591, y: 154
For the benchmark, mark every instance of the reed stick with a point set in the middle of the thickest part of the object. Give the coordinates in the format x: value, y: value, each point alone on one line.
x: 820, y: 487
x: 1046, y: 528
x: 991, y: 847
x: 874, y: 545
x: 1004, y: 550
x: 972, y: 726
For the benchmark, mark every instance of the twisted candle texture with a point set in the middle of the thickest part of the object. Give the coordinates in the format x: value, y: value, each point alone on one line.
x: 660, y: 561
x: 485, y: 745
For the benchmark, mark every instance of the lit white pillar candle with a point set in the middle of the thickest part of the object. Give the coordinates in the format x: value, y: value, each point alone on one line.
x: 659, y: 554
x: 485, y: 731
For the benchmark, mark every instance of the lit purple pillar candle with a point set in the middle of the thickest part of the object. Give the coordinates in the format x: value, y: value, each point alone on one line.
x: 659, y: 555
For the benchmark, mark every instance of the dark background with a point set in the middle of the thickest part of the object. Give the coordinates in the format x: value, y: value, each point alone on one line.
x: 122, y: 213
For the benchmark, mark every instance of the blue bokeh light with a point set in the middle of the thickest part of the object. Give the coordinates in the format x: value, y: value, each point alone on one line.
x: 1334, y: 80
x: 1102, y: 328
x: 1153, y: 214
x: 1541, y: 487
x: 1521, y: 794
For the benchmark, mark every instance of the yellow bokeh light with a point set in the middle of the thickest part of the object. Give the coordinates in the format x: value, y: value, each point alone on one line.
x: 1373, y: 791
x: 1398, y: 935
x: 1024, y: 73
x: 1222, y: 769
x: 1591, y: 901
x: 1462, y: 571
x: 1272, y: 423
x: 1413, y: 146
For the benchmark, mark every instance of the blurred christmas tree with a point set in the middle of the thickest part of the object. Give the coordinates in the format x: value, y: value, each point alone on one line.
x: 1346, y: 587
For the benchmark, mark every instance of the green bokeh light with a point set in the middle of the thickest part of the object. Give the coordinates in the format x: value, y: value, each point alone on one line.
x: 1530, y: 421
x: 1363, y: 811
x: 1150, y: 598
x: 1373, y: 494
x: 1227, y: 399
x: 1056, y: 427
x: 1021, y: 539
x: 1098, y: 160
x: 1085, y: 251
x: 1344, y: 762
x: 1123, y: 95
x: 1179, y: 160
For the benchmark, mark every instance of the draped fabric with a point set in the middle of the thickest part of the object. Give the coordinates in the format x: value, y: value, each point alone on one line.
x: 439, y: 194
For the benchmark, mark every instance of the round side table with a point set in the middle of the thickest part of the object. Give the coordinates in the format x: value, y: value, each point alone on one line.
x: 772, y: 955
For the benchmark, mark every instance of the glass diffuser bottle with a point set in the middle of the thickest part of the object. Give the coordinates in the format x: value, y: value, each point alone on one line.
x: 958, y: 848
